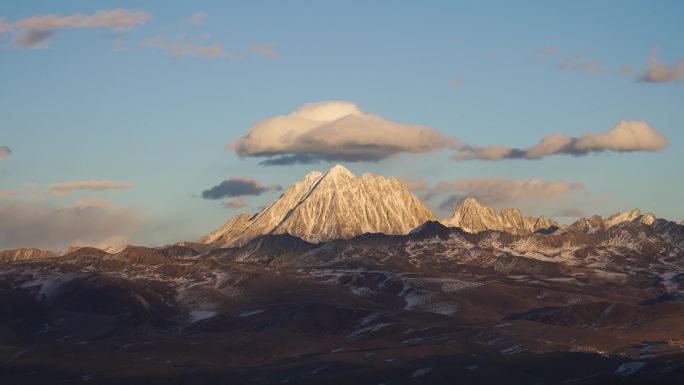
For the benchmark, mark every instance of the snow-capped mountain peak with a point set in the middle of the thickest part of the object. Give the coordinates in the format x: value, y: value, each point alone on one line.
x: 331, y: 205
x: 473, y: 217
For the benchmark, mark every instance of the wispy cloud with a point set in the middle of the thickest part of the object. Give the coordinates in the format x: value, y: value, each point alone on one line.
x: 5, y: 151
x: 543, y: 53
x: 234, y: 204
x: 63, y: 189
x: 493, y: 191
x: 416, y: 185
x: 662, y: 73
x: 236, y: 186
x: 197, y: 18
x: 37, y: 224
x: 89, y: 201
x: 181, y: 49
x: 33, y: 32
x: 626, y: 136
x: 8, y: 193
x: 626, y: 71
x: 4, y: 27
x: 579, y: 62
x: 456, y: 82
x: 35, y: 38
x: 504, y: 191
x: 574, y: 213
x: 264, y: 50
x: 334, y: 131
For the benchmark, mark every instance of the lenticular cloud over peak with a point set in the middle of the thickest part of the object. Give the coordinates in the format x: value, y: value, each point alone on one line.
x: 327, y: 111
x: 334, y: 131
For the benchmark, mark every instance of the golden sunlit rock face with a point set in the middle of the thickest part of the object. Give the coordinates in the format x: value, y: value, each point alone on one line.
x: 331, y: 205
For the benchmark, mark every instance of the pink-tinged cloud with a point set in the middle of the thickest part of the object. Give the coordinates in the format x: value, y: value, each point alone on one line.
x: 264, y: 50
x: 580, y: 63
x: 63, y: 189
x: 110, y: 18
x: 5, y: 151
x: 499, y: 191
x: 574, y: 213
x: 8, y: 194
x: 182, y: 49
x: 662, y: 73
x: 37, y: 224
x: 93, y: 202
x: 415, y: 185
x: 33, y: 32
x: 626, y: 136
x: 196, y: 18
x: 234, y: 204
x: 541, y: 54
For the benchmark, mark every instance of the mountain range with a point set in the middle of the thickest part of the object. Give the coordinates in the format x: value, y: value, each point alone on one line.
x: 354, y: 280
x: 338, y: 205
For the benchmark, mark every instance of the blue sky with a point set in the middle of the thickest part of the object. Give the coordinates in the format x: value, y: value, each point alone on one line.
x: 111, y: 103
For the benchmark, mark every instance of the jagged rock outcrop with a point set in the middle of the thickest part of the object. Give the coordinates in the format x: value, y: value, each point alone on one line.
x: 591, y: 225
x: 529, y: 223
x: 621, y: 217
x: 473, y: 217
x: 629, y: 216
x: 24, y: 254
x: 647, y: 218
x: 513, y: 221
x: 671, y: 232
x: 331, y: 205
x: 541, y: 224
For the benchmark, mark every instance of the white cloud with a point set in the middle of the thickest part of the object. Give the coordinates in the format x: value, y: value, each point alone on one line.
x: 662, y: 73
x: 32, y: 32
x: 626, y: 136
x: 63, y: 189
x: 334, y: 131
